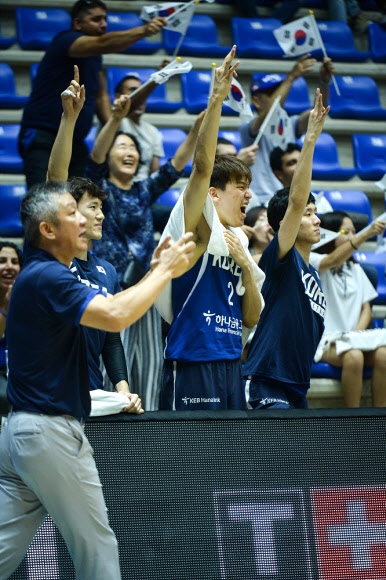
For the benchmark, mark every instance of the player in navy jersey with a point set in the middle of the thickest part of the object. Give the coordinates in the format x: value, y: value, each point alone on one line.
x: 219, y: 294
x: 278, y: 367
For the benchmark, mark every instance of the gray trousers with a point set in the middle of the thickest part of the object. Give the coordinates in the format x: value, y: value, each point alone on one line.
x: 47, y: 466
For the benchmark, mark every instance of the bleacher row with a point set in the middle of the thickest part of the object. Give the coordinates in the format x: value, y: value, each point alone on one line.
x: 355, y: 131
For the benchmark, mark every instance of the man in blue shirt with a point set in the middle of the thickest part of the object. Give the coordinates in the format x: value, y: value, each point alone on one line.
x: 278, y: 367
x: 84, y: 44
x: 46, y: 462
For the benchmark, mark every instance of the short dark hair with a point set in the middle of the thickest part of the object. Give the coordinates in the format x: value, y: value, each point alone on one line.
x: 7, y: 244
x: 119, y: 85
x: 276, y: 156
x: 40, y: 205
x: 331, y: 220
x: 78, y: 186
x: 254, y: 214
x: 277, y: 206
x: 82, y: 6
x: 228, y: 169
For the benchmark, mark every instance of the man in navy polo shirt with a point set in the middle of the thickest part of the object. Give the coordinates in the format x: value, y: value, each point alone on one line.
x: 46, y: 462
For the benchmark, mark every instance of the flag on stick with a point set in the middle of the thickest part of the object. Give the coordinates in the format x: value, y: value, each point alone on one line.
x: 237, y: 101
x: 177, y: 14
x: 275, y: 125
x: 301, y: 36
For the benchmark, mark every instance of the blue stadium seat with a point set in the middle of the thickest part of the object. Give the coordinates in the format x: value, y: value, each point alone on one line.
x: 254, y: 37
x: 195, y: 87
x: 358, y: 99
x: 339, y: 43
x: 9, y: 98
x: 232, y: 136
x: 172, y: 139
x: 377, y: 42
x: 326, y: 165
x: 10, y: 199
x: 36, y: 27
x: 298, y: 98
x: 369, y: 156
x: 89, y: 140
x: 157, y: 101
x: 201, y: 39
x: 379, y: 261
x: 169, y: 197
x: 323, y: 370
x: 122, y: 21
x: 6, y: 41
x: 350, y: 200
x: 10, y: 160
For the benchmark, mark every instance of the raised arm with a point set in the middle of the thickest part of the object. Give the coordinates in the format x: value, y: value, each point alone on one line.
x: 105, y: 138
x: 301, y: 181
x: 197, y: 188
x: 72, y: 101
x: 300, y: 68
x: 186, y: 150
x: 118, y: 41
x: 114, y: 313
x: 343, y: 252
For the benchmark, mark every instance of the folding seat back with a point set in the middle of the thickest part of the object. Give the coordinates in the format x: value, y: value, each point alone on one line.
x: 169, y: 197
x: 326, y: 165
x: 339, y: 43
x: 350, y: 200
x: 379, y: 261
x: 10, y: 160
x: 369, y: 153
x: 172, y: 139
x: 201, y: 39
x: 10, y: 200
x: 36, y: 27
x: 358, y: 99
x: 255, y: 39
x: 195, y: 87
x: 9, y: 98
x: 377, y: 42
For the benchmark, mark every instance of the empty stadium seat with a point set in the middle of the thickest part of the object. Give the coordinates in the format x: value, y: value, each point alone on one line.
x: 195, y: 92
x: 254, y: 37
x: 122, y: 21
x: 10, y: 160
x: 350, y: 200
x: 377, y: 42
x: 232, y: 136
x: 379, y: 261
x: 156, y: 102
x: 339, y: 43
x: 172, y: 139
x: 36, y: 27
x: 298, y: 98
x: 326, y: 165
x: 201, y: 39
x: 358, y: 99
x: 89, y: 140
x: 9, y: 98
x: 369, y: 156
x: 6, y: 41
x: 169, y: 197
x: 10, y: 199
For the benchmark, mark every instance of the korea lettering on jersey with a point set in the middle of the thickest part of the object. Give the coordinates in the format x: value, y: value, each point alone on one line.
x: 225, y: 323
x: 86, y: 282
x: 314, y: 293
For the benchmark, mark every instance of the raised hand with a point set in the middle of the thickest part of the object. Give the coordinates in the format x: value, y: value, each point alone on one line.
x: 224, y: 74
x: 317, y: 116
x: 176, y: 258
x: 74, y: 96
x: 121, y: 107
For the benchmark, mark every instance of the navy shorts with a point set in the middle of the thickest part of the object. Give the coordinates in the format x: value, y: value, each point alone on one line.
x: 262, y: 394
x: 197, y: 386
